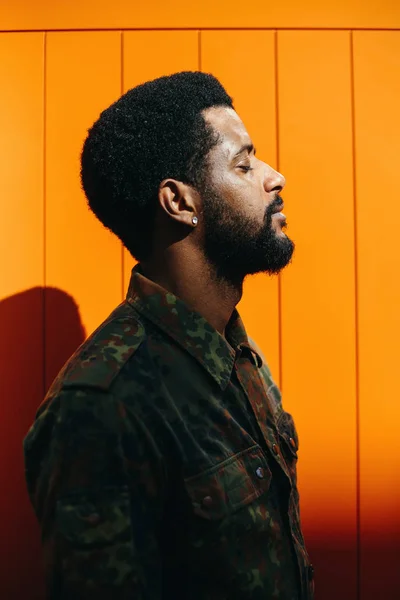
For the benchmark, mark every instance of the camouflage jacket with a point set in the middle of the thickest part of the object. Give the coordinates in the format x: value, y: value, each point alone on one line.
x: 161, y: 464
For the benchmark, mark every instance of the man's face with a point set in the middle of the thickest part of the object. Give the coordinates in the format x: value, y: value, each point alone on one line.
x: 243, y: 225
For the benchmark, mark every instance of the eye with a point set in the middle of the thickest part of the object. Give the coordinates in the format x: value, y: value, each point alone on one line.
x: 246, y: 168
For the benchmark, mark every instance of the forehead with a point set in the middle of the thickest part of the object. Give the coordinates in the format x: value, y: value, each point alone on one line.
x: 227, y: 123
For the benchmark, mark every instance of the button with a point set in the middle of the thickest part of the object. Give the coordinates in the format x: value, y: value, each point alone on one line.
x: 92, y: 519
x: 292, y: 442
x: 260, y: 473
x: 207, y: 501
x: 275, y: 448
x: 310, y: 573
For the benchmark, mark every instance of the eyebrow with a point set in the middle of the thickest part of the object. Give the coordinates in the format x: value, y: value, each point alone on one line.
x: 249, y: 147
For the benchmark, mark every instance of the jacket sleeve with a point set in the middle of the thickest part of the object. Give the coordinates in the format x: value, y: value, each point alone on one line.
x: 95, y: 479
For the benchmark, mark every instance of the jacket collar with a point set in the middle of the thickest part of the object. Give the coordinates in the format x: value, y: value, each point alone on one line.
x: 189, y: 329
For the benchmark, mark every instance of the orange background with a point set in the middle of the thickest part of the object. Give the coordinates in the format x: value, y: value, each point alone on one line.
x: 318, y: 86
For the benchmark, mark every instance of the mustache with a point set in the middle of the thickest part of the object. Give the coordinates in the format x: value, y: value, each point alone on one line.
x: 269, y: 211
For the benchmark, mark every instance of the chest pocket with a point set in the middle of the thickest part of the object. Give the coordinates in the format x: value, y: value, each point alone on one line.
x: 229, y: 486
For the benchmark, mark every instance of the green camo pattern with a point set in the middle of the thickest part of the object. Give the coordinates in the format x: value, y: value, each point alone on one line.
x: 161, y: 464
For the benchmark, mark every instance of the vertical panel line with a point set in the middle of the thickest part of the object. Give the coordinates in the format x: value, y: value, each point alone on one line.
x: 356, y: 322
x: 122, y: 246
x: 278, y: 167
x: 44, y: 305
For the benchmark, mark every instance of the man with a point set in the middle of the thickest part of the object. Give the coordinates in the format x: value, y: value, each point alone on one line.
x: 161, y: 464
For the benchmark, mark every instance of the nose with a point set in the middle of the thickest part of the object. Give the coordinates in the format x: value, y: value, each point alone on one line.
x: 273, y: 180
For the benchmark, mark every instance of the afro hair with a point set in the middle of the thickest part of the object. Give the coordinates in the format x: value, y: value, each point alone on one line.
x: 153, y: 132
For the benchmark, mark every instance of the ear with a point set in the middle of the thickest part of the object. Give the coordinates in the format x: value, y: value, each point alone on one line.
x: 179, y: 201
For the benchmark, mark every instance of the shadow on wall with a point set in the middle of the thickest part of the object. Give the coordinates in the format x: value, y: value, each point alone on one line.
x: 40, y: 329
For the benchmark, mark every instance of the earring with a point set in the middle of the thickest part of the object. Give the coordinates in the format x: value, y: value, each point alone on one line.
x: 195, y: 220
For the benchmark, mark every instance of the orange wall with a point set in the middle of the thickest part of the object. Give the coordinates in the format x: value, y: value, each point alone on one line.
x: 318, y: 86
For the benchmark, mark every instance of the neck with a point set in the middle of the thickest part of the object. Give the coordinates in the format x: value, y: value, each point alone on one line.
x: 189, y: 276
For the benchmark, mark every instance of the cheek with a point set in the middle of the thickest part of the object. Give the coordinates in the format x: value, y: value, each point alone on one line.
x: 243, y: 197
x: 253, y: 213
x: 255, y: 205
x: 253, y: 196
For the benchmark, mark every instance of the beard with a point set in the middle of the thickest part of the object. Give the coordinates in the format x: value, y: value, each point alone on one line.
x: 237, y: 245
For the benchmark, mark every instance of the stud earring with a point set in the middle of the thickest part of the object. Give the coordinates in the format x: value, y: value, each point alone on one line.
x: 195, y: 220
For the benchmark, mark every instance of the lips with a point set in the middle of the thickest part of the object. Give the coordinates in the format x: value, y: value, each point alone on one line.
x: 278, y: 208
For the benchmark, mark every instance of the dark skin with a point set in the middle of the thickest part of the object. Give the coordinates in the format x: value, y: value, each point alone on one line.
x: 178, y: 262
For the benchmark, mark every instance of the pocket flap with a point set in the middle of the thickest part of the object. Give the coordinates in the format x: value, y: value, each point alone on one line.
x: 226, y: 487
